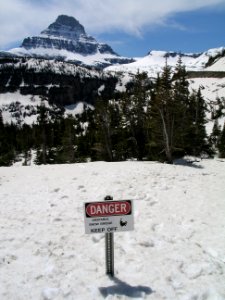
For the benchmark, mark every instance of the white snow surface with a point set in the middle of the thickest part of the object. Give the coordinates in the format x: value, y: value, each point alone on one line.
x: 219, y: 65
x: 76, y: 109
x: 28, y: 103
x: 176, y: 251
x: 155, y: 61
x: 24, y: 103
x: 91, y: 60
x: 58, y: 67
x: 211, y: 89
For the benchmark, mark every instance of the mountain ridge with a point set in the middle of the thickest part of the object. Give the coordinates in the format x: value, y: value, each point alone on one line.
x: 155, y: 60
x: 64, y: 77
x: 66, y: 40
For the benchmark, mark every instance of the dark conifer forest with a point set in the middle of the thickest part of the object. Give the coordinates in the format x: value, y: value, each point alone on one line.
x: 152, y: 120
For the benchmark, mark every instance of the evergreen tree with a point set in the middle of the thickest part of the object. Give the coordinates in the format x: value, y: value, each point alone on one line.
x: 214, y: 137
x: 68, y: 148
x: 24, y: 140
x: 181, y: 102
x: 197, y: 137
x: 134, y: 107
x: 221, y: 143
x: 43, y: 122
x: 87, y: 141
x: 103, y: 144
x: 7, y: 143
x: 220, y: 106
x: 162, y: 117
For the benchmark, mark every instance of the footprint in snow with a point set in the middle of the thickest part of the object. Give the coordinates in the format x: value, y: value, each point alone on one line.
x: 147, y: 244
x: 192, y: 271
x: 97, y: 239
x: 156, y: 226
x: 80, y: 187
x: 175, y: 282
x: 56, y: 190
x: 152, y: 203
x: 165, y: 188
x: 49, y: 293
x: 57, y: 220
x: 8, y: 259
x: 95, y: 173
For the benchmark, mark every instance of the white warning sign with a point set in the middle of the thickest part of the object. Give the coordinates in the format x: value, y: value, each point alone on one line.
x: 108, y: 216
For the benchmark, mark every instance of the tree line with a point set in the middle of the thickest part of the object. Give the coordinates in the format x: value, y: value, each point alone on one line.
x: 153, y: 120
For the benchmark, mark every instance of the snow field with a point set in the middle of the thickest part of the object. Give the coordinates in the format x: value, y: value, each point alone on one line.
x: 175, y: 252
x: 91, y: 60
x: 154, y: 62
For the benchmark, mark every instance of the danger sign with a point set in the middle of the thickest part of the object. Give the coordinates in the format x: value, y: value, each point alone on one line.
x: 110, y: 216
x: 114, y: 208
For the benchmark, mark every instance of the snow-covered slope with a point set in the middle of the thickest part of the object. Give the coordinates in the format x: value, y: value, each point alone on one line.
x: 176, y: 251
x: 12, y: 102
x: 211, y: 89
x: 17, y: 108
x: 219, y: 65
x: 97, y: 59
x: 24, y: 82
x: 57, y: 67
x: 203, y: 64
x: 155, y: 61
x: 22, y: 109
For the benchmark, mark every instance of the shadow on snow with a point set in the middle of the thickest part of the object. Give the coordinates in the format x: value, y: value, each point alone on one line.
x: 122, y: 288
x: 188, y: 163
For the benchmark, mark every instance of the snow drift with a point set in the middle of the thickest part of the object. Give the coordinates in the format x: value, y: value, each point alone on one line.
x: 175, y: 252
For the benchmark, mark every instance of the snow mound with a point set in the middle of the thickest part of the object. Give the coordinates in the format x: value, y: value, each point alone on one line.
x: 175, y: 252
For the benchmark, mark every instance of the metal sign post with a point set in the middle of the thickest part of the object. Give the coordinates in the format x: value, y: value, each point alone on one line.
x: 109, y: 248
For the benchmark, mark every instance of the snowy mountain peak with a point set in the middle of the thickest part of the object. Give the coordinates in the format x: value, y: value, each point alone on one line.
x: 66, y: 33
x: 66, y: 39
x: 66, y: 27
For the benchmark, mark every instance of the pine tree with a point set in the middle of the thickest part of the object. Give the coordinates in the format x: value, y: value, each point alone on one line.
x: 24, y: 140
x: 214, y: 136
x: 86, y: 142
x: 197, y: 137
x: 103, y: 144
x: 67, y: 154
x: 220, y: 106
x: 162, y: 116
x: 181, y: 102
x: 7, y: 143
x: 221, y: 143
x: 43, y: 121
x: 134, y: 106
